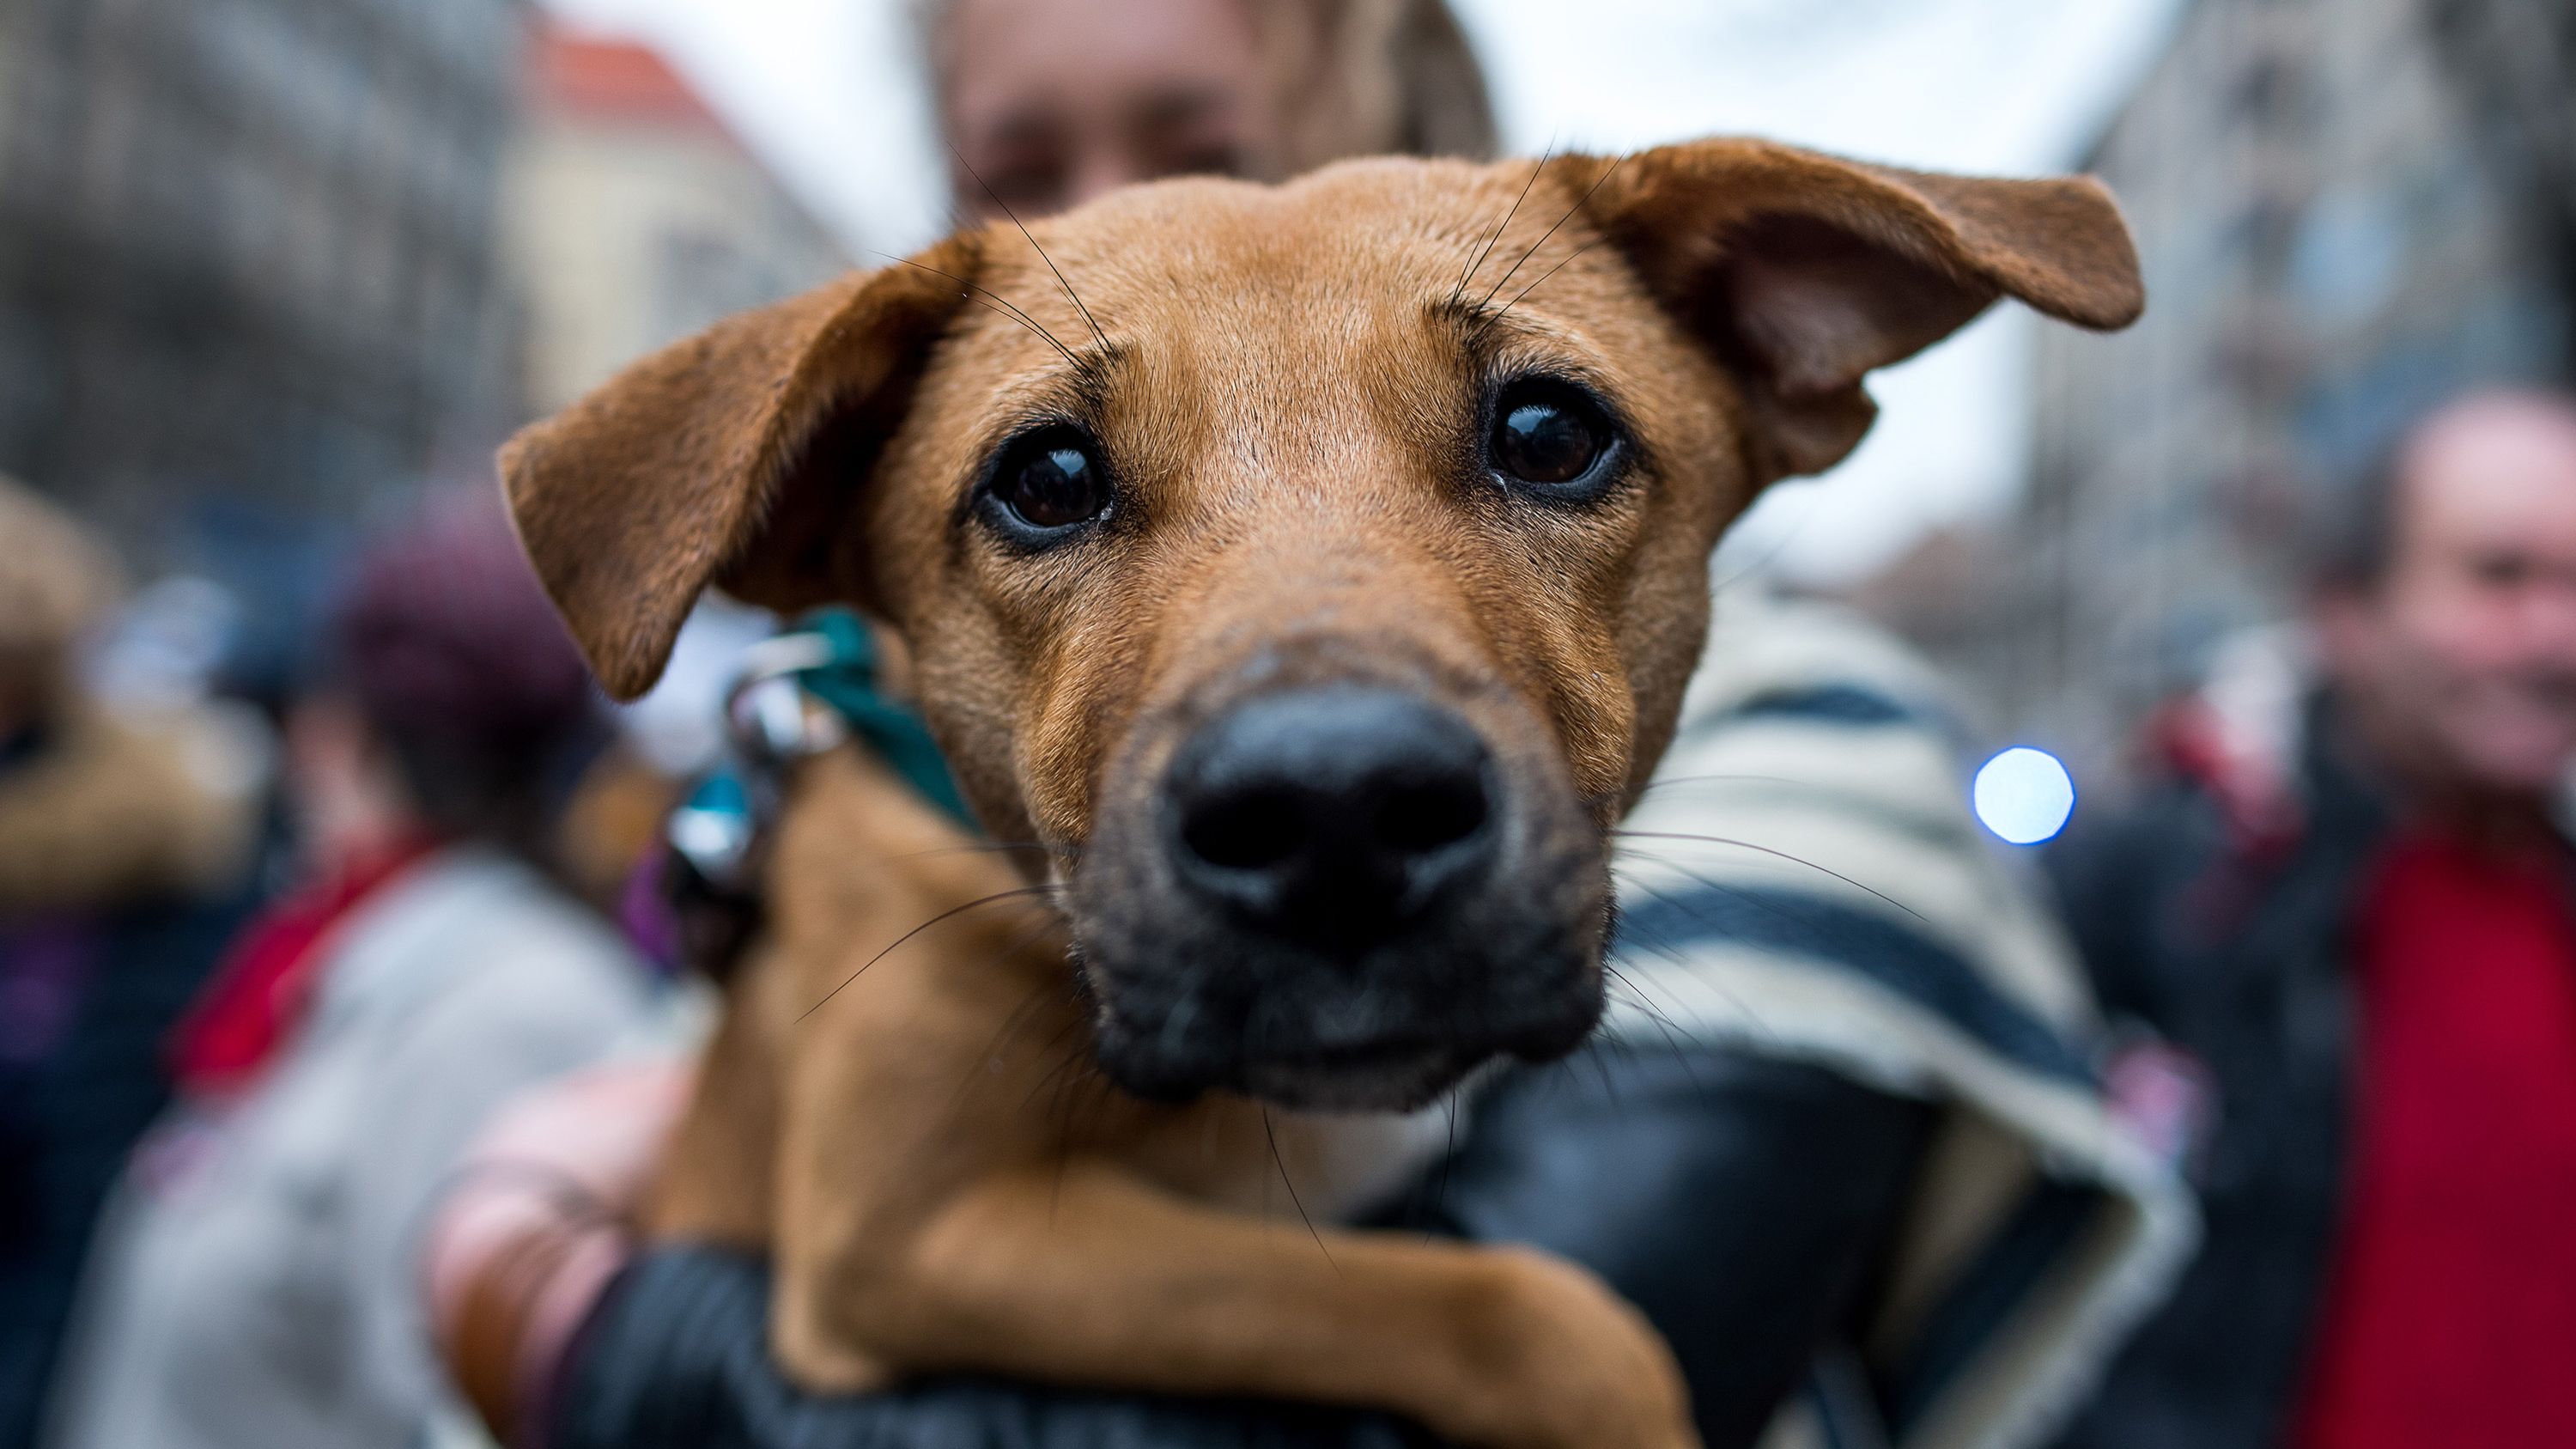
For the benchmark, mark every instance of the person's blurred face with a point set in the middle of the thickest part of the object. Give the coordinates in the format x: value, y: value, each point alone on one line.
x: 347, y: 800
x: 1053, y: 102
x: 2464, y: 655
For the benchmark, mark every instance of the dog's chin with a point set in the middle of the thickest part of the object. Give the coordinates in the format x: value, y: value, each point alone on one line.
x: 1398, y: 1071
x: 1394, y: 1078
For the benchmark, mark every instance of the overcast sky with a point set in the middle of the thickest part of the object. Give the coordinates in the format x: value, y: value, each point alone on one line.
x: 825, y: 90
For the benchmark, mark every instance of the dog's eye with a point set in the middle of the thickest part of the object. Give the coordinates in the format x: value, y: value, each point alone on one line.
x: 1547, y: 434
x: 1051, y: 480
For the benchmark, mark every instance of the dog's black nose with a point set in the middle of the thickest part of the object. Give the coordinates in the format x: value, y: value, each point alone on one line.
x: 1335, y: 814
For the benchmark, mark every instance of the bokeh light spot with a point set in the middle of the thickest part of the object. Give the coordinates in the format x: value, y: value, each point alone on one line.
x: 2024, y: 795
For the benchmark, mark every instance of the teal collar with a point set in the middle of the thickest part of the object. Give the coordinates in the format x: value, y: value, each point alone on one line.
x: 844, y: 678
x: 831, y: 659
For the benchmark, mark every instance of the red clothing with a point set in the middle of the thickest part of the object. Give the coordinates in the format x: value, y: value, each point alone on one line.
x: 259, y: 990
x: 2451, y: 1312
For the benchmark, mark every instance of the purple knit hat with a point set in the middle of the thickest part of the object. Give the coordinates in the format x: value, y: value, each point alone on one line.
x: 444, y: 632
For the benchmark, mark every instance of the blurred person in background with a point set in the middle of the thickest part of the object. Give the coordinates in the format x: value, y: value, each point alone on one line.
x: 2356, y: 907
x: 257, y: 1283
x: 126, y: 851
x: 1774, y: 1188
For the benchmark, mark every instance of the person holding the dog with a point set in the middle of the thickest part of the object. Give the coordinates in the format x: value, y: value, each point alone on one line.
x: 2355, y: 904
x: 1845, y: 1147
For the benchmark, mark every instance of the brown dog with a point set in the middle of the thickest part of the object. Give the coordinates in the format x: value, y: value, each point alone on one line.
x: 1301, y: 606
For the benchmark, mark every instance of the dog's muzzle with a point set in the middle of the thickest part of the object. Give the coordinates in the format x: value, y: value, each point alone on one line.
x: 1338, y: 899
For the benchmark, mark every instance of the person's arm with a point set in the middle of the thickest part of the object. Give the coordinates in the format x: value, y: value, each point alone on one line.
x: 1744, y: 1202
x: 535, y: 1223
x: 1741, y: 1202
x: 676, y: 1357
x: 564, y: 1332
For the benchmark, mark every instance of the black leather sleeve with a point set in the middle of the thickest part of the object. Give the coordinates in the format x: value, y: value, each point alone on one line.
x: 676, y: 1358
x: 1742, y: 1202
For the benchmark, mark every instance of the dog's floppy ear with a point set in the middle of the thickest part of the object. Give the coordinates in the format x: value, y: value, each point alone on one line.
x: 1805, y: 271
x: 731, y: 458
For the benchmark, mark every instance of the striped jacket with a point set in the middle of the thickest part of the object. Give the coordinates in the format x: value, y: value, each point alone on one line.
x: 1804, y: 878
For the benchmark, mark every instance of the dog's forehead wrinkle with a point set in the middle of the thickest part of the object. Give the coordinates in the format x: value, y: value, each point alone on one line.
x: 1178, y: 264
x: 1538, y: 333
x: 1050, y: 388
x: 1395, y: 231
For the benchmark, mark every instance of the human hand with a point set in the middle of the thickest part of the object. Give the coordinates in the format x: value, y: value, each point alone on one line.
x: 537, y: 1221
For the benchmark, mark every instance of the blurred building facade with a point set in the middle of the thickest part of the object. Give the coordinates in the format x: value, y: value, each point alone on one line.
x: 250, y: 248
x: 2347, y: 209
x: 635, y: 215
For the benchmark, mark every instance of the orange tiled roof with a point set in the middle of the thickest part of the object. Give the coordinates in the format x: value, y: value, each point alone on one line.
x: 611, y: 78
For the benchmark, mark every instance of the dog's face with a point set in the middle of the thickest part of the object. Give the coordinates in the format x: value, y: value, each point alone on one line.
x: 1322, y: 584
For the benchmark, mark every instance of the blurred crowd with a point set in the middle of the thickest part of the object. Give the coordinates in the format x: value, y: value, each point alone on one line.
x: 273, y: 959
x: 260, y: 995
